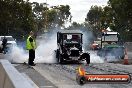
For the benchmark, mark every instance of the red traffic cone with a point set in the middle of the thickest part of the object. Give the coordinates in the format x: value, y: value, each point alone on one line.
x: 126, y: 58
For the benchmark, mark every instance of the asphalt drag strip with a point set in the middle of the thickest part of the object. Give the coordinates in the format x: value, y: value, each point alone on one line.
x: 64, y: 76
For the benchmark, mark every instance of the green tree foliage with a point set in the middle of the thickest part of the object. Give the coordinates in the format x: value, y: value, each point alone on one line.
x: 100, y: 18
x: 15, y: 17
x: 38, y: 9
x: 123, y: 17
x: 46, y: 18
x: 117, y: 15
x: 95, y: 17
x: 61, y: 14
x: 19, y: 17
x: 94, y: 14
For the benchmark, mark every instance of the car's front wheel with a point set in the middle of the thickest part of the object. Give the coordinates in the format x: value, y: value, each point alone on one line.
x: 60, y: 59
x: 85, y: 56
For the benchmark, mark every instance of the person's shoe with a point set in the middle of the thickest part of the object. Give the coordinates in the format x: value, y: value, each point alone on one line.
x: 33, y: 64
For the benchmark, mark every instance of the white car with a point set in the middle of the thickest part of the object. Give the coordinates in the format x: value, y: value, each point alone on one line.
x: 10, y: 41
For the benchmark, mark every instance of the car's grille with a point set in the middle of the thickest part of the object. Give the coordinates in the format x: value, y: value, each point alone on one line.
x: 74, y: 53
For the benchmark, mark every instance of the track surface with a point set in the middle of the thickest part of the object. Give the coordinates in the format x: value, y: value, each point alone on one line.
x: 64, y: 76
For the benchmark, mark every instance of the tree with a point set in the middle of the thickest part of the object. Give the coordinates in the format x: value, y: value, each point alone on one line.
x: 19, y: 17
x: 101, y: 18
x: 123, y: 16
x: 38, y: 10
x: 117, y: 15
x: 46, y: 18
x: 58, y: 15
x: 95, y: 18
x: 16, y: 17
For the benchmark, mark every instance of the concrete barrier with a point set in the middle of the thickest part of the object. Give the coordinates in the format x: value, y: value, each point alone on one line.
x: 11, y: 78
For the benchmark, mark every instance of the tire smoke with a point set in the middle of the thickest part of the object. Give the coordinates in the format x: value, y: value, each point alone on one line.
x: 46, y: 46
x: 45, y: 52
x: 88, y: 37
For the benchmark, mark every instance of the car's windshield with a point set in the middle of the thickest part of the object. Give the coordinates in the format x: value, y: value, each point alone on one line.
x: 8, y: 38
x: 110, y: 37
x: 72, y: 38
x: 113, y: 48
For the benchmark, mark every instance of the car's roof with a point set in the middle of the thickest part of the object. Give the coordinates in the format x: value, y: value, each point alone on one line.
x: 111, y: 33
x: 5, y: 36
x: 70, y: 31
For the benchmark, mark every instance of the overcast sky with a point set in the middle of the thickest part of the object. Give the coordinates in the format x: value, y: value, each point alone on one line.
x: 79, y: 8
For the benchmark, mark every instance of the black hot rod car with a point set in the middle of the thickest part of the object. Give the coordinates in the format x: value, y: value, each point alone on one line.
x: 69, y: 44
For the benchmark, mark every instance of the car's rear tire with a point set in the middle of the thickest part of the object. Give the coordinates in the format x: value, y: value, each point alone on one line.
x: 85, y: 56
x: 88, y: 59
x: 57, y: 55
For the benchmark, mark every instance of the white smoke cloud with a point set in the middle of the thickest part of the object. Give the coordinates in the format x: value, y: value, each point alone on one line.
x: 94, y: 58
x: 87, y: 39
x: 45, y: 52
x: 17, y: 55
